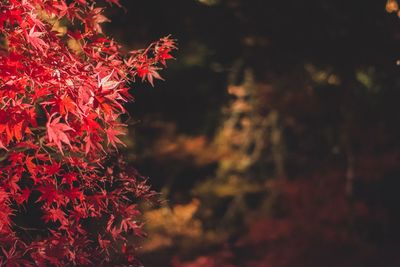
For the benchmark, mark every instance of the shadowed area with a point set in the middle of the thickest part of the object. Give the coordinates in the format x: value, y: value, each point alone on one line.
x: 274, y: 139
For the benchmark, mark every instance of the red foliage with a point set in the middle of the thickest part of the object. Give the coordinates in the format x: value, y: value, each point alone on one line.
x: 59, y: 112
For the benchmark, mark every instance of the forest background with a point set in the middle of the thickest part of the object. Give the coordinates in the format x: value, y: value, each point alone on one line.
x: 275, y: 138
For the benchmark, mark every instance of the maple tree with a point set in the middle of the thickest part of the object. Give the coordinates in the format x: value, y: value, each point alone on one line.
x: 61, y: 99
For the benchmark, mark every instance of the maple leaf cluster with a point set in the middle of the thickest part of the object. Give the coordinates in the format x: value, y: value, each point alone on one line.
x: 61, y: 99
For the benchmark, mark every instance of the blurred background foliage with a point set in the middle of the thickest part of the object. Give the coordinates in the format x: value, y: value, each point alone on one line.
x: 275, y: 137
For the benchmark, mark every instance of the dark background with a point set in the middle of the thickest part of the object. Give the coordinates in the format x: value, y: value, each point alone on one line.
x: 301, y: 170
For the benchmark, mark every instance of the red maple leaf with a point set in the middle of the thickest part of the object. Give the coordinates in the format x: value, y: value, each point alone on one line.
x: 49, y: 194
x: 112, y: 137
x: 33, y: 38
x: 56, y: 132
x: 69, y: 178
x: 55, y: 214
x: 74, y: 193
x: 24, y: 196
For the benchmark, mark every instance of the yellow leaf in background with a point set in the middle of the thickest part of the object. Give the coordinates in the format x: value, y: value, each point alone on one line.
x: 74, y: 45
x: 392, y: 6
x: 60, y: 29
